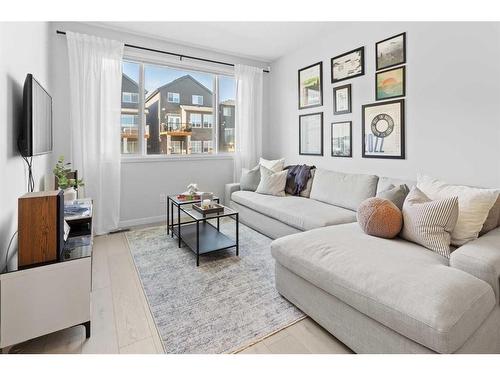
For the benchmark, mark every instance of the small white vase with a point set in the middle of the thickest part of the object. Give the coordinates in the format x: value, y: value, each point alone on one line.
x: 69, y: 194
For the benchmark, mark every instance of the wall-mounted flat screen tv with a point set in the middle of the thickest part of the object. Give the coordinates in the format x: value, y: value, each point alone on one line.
x: 35, y: 135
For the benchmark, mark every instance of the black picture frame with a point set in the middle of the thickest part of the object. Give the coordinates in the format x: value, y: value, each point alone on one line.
x: 384, y: 41
x: 321, y: 85
x: 350, y: 139
x: 402, y: 155
x: 332, y: 60
x: 349, y: 97
x: 300, y: 133
x: 403, y: 68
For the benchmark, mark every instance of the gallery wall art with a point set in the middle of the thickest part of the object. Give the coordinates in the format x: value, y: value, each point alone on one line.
x: 383, y: 130
x: 348, y: 65
x: 342, y: 100
x: 390, y: 83
x: 341, y: 140
x: 311, y: 134
x: 311, y: 86
x: 391, y: 51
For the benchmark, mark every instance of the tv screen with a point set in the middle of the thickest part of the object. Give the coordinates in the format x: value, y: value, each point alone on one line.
x: 35, y: 137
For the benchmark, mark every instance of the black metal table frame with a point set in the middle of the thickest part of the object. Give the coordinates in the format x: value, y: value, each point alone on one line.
x: 170, y: 224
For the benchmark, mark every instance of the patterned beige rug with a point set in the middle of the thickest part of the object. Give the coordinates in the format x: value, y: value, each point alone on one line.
x: 222, y: 306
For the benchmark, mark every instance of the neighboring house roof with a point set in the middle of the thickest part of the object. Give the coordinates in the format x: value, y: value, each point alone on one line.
x: 187, y: 76
x: 133, y: 82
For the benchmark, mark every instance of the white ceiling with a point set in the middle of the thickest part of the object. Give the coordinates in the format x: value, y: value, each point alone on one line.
x: 263, y: 41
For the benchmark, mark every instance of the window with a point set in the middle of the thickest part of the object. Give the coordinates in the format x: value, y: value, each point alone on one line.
x: 227, y: 111
x: 196, y: 147
x: 208, y: 121
x: 130, y: 97
x: 195, y: 120
x: 173, y: 97
x: 156, y: 121
x: 197, y: 99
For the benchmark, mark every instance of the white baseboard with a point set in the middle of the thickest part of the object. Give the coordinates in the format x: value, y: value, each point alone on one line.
x: 142, y: 221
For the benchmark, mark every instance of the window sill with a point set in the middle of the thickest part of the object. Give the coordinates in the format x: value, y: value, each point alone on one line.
x: 173, y: 158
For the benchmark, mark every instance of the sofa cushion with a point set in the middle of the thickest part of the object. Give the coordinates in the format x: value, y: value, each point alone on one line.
x: 398, y: 283
x: 298, y: 212
x: 385, y: 182
x: 343, y: 189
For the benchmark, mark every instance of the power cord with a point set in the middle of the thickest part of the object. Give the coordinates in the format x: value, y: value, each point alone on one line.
x: 29, y: 163
x: 8, y: 250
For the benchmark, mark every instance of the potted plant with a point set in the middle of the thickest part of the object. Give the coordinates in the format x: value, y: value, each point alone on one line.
x: 68, y: 185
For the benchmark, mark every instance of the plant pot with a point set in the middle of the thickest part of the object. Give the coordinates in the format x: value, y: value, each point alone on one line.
x: 69, y: 194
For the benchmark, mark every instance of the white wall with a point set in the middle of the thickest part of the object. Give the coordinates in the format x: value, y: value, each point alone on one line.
x: 452, y: 100
x: 24, y: 48
x: 142, y: 181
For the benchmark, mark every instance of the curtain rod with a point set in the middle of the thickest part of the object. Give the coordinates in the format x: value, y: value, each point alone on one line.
x: 173, y: 54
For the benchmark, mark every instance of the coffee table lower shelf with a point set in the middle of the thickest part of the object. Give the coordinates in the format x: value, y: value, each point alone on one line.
x: 210, y: 239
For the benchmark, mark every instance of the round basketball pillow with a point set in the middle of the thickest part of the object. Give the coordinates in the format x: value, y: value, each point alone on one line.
x: 380, y: 217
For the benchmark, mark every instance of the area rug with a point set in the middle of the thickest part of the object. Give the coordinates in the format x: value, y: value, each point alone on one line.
x: 223, y: 305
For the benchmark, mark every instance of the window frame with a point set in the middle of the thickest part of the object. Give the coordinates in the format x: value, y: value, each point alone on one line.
x: 197, y: 96
x: 145, y: 58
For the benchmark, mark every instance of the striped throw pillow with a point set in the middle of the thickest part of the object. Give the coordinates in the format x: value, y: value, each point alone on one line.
x: 429, y: 222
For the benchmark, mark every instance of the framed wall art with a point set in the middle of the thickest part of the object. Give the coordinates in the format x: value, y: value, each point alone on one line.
x: 391, y: 51
x: 311, y: 86
x: 311, y: 134
x: 383, y: 130
x: 342, y: 139
x: 342, y: 100
x: 348, y: 65
x: 390, y: 83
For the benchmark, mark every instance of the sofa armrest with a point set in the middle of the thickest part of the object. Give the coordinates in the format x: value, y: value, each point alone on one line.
x: 481, y: 258
x: 229, y: 190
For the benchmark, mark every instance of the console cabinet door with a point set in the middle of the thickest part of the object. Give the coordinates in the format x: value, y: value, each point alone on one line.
x: 41, y: 300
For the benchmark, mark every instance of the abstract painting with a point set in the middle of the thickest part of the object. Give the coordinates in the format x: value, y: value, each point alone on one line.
x: 390, y: 83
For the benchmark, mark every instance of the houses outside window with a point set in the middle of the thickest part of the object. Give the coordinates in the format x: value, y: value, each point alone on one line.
x: 197, y: 99
x: 173, y: 97
x: 167, y: 110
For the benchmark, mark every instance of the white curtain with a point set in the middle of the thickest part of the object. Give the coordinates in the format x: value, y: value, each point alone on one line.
x: 248, y: 134
x: 95, y: 75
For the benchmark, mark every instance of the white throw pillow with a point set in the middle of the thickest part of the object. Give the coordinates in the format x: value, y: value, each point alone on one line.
x: 474, y: 205
x: 272, y: 183
x: 274, y: 165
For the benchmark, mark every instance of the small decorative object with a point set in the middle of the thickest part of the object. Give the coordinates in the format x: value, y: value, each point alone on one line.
x: 205, y: 203
x: 380, y: 217
x: 348, y: 65
x: 213, y: 209
x: 341, y: 139
x: 383, y: 130
x: 391, y: 51
x: 390, y: 83
x: 311, y: 86
x: 69, y: 185
x: 192, y: 188
x: 69, y: 194
x: 311, y: 134
x: 342, y: 99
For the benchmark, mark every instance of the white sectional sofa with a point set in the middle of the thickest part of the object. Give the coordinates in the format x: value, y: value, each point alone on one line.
x: 376, y: 295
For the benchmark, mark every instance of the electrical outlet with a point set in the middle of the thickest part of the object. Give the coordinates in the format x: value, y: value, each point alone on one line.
x: 163, y: 198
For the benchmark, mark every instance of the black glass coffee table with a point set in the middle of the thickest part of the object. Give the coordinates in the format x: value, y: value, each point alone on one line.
x: 199, y: 233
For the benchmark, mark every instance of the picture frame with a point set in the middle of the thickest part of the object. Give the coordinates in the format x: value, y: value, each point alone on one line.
x: 390, y: 83
x: 310, y: 86
x: 341, y: 139
x: 383, y: 130
x: 390, y: 52
x: 311, y: 134
x: 342, y: 100
x: 348, y: 65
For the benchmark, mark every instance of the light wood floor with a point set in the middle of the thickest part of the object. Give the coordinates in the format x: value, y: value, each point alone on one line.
x: 122, y: 322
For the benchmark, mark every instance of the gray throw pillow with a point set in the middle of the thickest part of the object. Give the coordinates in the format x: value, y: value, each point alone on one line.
x: 396, y: 194
x: 493, y: 219
x: 250, y: 178
x: 429, y: 222
x: 307, y: 191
